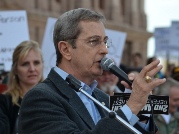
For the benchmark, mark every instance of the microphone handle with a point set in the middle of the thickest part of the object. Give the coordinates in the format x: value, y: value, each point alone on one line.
x: 120, y: 73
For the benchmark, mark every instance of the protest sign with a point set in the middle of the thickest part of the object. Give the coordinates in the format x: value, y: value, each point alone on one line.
x: 159, y: 104
x: 13, y: 30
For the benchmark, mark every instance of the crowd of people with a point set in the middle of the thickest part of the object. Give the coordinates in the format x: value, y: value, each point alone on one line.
x: 34, y: 105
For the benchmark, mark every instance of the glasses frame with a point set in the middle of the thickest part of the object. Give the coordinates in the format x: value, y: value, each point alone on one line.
x: 96, y: 41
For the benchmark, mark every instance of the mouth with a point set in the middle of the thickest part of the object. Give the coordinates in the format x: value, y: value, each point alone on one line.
x: 98, y: 62
x: 31, y: 76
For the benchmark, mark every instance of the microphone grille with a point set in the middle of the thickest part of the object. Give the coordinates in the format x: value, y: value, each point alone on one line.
x: 106, y: 63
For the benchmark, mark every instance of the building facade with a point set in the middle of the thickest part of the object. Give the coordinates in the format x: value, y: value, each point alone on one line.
x: 122, y: 15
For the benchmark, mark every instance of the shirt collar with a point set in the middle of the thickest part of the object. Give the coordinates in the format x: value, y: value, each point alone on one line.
x: 87, y: 88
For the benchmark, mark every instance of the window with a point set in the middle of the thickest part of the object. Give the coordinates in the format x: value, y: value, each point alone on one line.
x: 101, y: 4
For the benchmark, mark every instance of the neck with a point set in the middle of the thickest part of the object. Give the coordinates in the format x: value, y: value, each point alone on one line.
x: 82, y: 77
x: 25, y: 88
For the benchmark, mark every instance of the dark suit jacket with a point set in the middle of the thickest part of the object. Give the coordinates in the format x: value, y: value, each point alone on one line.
x: 8, y: 114
x: 52, y: 107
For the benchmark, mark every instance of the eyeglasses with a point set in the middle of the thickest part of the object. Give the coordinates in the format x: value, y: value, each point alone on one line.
x: 96, y: 41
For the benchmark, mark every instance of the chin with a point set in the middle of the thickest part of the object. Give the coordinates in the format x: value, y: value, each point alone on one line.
x: 97, y: 74
x: 33, y: 82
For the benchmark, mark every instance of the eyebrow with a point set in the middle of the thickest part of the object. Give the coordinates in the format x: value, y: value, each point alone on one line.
x: 97, y: 36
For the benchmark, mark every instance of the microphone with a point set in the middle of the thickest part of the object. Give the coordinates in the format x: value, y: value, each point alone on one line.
x: 108, y: 64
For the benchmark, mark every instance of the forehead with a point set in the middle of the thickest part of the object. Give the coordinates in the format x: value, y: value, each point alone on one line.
x: 30, y: 55
x: 92, y: 28
x: 174, y: 91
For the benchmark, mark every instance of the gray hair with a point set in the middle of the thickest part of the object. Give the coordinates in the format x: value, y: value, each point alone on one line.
x: 67, y: 26
x: 164, y: 89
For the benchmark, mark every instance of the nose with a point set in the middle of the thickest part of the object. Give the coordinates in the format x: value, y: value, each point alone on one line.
x: 32, y: 67
x: 103, y: 49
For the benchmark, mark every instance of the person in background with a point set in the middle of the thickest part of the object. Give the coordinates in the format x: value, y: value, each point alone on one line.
x: 3, y: 76
x: 175, y: 73
x: 54, y: 107
x: 168, y: 123
x: 107, y: 82
x: 136, y: 65
x: 137, y: 61
x: 169, y: 70
x: 26, y: 72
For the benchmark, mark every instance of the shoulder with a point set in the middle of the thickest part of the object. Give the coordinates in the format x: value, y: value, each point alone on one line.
x: 5, y: 103
x: 4, y: 98
x: 102, y: 94
x: 176, y: 115
x: 45, y: 89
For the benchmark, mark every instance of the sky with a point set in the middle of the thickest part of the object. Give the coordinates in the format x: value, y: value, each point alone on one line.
x: 160, y: 13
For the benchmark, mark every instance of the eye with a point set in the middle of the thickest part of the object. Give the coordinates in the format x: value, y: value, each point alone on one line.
x: 106, y: 41
x: 25, y: 64
x: 36, y: 62
x: 94, y: 42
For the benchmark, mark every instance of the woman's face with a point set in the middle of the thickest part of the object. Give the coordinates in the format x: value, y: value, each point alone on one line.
x: 29, y: 69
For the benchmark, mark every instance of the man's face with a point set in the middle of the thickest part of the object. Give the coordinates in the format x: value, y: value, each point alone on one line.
x: 107, y: 82
x: 85, y: 60
x: 108, y: 77
x: 174, y: 99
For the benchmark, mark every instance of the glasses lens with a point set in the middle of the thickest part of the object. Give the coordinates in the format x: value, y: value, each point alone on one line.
x: 108, y: 43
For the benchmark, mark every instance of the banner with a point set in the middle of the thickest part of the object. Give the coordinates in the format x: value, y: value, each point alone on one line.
x: 167, y: 42
x: 162, y: 40
x: 160, y: 104
x: 13, y: 30
x: 48, y: 48
x: 114, y: 52
x: 174, y: 34
x: 118, y: 41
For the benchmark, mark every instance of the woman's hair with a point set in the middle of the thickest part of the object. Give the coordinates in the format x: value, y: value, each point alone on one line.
x: 19, y: 54
x: 67, y: 26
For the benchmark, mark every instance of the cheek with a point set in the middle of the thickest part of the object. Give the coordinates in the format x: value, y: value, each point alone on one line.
x: 40, y: 70
x: 170, y: 101
x: 173, y: 103
x: 21, y: 74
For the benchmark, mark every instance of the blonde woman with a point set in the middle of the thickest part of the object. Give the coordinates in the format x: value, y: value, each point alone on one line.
x: 26, y: 72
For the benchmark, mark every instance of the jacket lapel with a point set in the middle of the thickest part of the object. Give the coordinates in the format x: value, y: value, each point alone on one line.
x: 103, y: 101
x: 73, y: 98
x: 79, y: 107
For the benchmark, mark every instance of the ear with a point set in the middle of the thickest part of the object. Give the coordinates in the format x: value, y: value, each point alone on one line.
x: 64, y: 49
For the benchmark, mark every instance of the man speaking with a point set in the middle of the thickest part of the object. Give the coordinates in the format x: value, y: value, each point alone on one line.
x: 53, y: 107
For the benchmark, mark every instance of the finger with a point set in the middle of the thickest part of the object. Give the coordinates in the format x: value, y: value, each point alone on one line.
x: 149, y: 67
x: 156, y: 82
x: 126, y: 85
x: 131, y: 76
x: 154, y: 71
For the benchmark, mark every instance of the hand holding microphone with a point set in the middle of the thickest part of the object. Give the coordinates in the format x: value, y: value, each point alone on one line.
x: 140, y: 86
